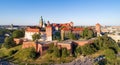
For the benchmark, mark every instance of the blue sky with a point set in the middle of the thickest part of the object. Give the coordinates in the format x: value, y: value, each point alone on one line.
x: 81, y: 12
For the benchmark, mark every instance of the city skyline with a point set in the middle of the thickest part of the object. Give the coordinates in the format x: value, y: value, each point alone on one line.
x: 81, y: 12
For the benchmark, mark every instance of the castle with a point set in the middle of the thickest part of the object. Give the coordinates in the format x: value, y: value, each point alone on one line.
x: 48, y: 32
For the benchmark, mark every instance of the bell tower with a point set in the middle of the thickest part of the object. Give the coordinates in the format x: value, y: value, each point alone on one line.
x: 98, y: 29
x: 49, y: 33
x: 41, y: 22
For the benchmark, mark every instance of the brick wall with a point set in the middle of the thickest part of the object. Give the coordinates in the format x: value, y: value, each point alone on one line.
x: 38, y: 47
x: 18, y: 41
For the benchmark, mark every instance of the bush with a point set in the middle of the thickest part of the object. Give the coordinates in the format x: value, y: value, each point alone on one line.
x: 18, y: 34
x: 26, y: 54
x: 110, y: 54
x: 56, y: 52
x: 78, y: 50
x: 88, y: 49
x: 65, y: 52
x: 0, y: 46
x: 51, y: 48
x: 9, y: 42
x: 35, y: 36
x: 33, y: 54
x: 12, y: 52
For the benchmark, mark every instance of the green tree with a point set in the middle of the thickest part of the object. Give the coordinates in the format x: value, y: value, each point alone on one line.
x: 88, y: 49
x: 72, y: 36
x: 87, y: 33
x: 78, y: 50
x: 56, y: 52
x: 105, y: 42
x: 57, y: 36
x: 9, y: 42
x: 90, y: 34
x: 65, y: 52
x: 33, y: 54
x: 18, y: 34
x: 51, y: 48
x: 35, y: 36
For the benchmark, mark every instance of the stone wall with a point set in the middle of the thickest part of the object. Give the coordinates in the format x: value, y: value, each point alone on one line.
x: 38, y: 47
x: 64, y: 45
x: 82, y: 43
x: 18, y: 41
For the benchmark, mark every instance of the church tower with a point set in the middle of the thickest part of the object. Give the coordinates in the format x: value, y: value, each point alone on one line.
x: 98, y: 29
x: 41, y: 22
x: 49, y: 33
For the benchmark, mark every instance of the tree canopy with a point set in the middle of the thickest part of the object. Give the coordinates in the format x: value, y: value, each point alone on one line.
x: 87, y: 33
x: 9, y: 42
x: 35, y: 36
x: 18, y: 34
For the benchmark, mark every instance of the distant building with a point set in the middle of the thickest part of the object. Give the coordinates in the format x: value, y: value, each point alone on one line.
x: 49, y: 33
x: 29, y: 31
x: 115, y: 37
x: 98, y: 29
x: 2, y: 37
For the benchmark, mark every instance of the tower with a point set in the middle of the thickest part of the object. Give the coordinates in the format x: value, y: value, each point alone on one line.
x: 71, y: 24
x: 98, y: 29
x: 49, y: 33
x: 41, y: 22
x: 48, y: 23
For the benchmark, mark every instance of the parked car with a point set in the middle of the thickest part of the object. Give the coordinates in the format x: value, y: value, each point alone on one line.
x: 99, y: 58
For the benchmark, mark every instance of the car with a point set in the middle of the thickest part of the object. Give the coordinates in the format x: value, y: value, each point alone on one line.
x: 99, y: 58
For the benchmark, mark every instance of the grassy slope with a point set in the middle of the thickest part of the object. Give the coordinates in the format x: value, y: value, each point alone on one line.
x: 22, y: 56
x: 5, y: 52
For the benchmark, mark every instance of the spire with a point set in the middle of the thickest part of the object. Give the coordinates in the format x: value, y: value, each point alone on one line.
x: 48, y: 23
x: 41, y: 22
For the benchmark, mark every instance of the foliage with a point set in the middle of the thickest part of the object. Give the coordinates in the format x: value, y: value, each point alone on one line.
x: 56, y: 52
x: 4, y: 31
x: 35, y: 36
x: 110, y: 54
x: 18, y: 34
x: 9, y: 42
x: 78, y: 50
x: 105, y: 42
x: 72, y: 36
x: 65, y: 52
x: 88, y: 49
x: 87, y: 34
x: 11, y: 52
x: 25, y: 54
x: 51, y: 48
x: 0, y: 46
x: 33, y: 54
x: 57, y: 36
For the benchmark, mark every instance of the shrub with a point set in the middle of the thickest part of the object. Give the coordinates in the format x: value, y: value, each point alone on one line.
x: 33, y: 54
x: 12, y: 52
x: 56, y: 52
x: 18, y: 34
x: 9, y: 42
x: 65, y: 52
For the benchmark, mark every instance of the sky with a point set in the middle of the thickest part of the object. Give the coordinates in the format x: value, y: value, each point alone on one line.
x: 81, y: 12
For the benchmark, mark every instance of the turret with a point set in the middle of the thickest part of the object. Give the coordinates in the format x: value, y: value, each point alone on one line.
x: 41, y: 22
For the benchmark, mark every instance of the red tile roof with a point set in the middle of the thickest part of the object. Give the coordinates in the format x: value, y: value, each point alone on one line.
x: 77, y: 29
x: 66, y: 29
x: 32, y: 29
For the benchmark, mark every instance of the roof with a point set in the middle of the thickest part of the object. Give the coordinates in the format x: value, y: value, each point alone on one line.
x: 66, y: 29
x: 32, y: 29
x: 77, y: 29
x: 97, y: 24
